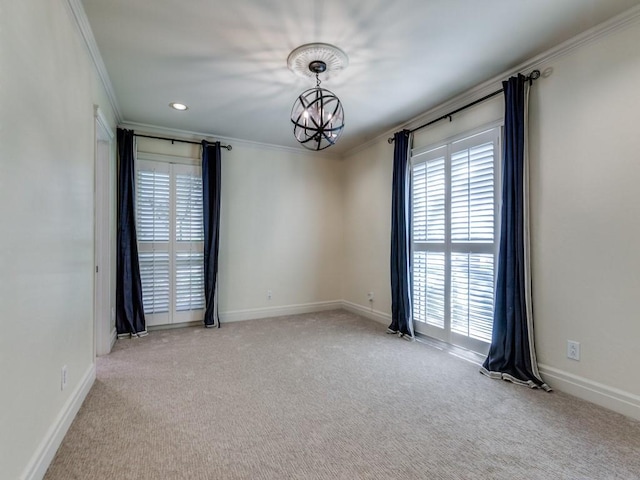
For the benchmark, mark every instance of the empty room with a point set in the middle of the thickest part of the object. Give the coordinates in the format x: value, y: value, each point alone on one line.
x: 272, y: 239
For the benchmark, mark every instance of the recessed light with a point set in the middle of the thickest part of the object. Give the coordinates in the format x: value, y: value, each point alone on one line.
x: 178, y: 106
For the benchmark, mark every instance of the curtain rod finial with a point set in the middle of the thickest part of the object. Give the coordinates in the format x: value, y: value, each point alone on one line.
x: 390, y: 140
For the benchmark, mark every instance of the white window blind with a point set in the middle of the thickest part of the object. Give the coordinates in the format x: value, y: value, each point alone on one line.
x: 428, y: 187
x: 454, y: 229
x: 189, y: 281
x: 154, y: 273
x: 189, y: 229
x: 170, y: 240
x: 189, y: 226
x: 472, y: 194
x: 429, y: 287
x: 472, y: 294
x: 153, y: 198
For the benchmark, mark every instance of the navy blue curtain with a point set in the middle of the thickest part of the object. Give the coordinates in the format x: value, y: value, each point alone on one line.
x: 129, y: 311
x: 512, y: 354
x: 401, y: 321
x: 211, y: 172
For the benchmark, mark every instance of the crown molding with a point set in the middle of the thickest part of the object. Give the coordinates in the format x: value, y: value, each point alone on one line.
x: 608, y: 27
x: 82, y: 22
x: 103, y: 123
x: 210, y: 137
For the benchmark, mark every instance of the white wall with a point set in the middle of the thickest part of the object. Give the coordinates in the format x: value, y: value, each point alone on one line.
x: 367, y: 229
x: 281, y: 228
x: 584, y: 146
x: 586, y: 212
x: 47, y: 94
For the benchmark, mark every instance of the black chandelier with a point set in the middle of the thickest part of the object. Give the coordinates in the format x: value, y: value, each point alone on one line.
x: 317, y: 114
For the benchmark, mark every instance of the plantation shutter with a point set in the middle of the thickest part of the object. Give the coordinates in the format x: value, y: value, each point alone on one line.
x: 472, y: 194
x: 153, y: 197
x: 453, y: 235
x: 472, y: 221
x: 472, y: 294
x: 189, y: 241
x: 170, y: 241
x: 189, y: 281
x: 428, y: 224
x: 429, y: 287
x: 189, y: 226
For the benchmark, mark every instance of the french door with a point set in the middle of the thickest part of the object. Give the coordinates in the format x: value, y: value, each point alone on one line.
x: 170, y: 241
x: 454, y: 231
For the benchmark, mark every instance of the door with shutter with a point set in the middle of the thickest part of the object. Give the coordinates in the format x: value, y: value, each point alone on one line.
x: 170, y: 241
x: 454, y: 231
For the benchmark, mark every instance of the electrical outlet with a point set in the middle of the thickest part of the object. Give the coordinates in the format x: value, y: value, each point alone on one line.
x: 573, y: 350
x: 269, y: 294
x: 370, y: 296
x: 63, y: 377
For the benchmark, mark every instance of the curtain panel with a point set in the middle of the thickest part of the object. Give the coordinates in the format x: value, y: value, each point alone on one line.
x: 130, y: 319
x: 211, y: 177
x: 401, y: 320
x: 512, y: 353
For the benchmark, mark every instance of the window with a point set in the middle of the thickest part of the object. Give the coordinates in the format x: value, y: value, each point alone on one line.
x: 170, y: 241
x: 454, y: 231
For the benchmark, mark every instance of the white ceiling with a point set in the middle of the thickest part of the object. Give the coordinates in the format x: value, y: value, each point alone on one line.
x: 227, y: 59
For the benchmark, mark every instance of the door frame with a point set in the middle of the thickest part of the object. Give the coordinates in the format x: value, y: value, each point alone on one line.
x: 104, y: 235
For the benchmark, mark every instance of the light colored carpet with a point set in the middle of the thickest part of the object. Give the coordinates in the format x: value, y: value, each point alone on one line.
x: 327, y: 396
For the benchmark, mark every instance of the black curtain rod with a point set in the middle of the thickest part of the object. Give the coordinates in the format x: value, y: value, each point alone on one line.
x: 533, y: 76
x: 172, y: 140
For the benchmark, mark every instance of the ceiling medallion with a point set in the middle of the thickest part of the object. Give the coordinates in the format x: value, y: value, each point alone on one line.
x: 317, y: 114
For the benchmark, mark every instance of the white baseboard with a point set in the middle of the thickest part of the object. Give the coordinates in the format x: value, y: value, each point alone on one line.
x: 609, y: 397
x: 255, y: 313
x: 49, y: 445
x: 370, y: 313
